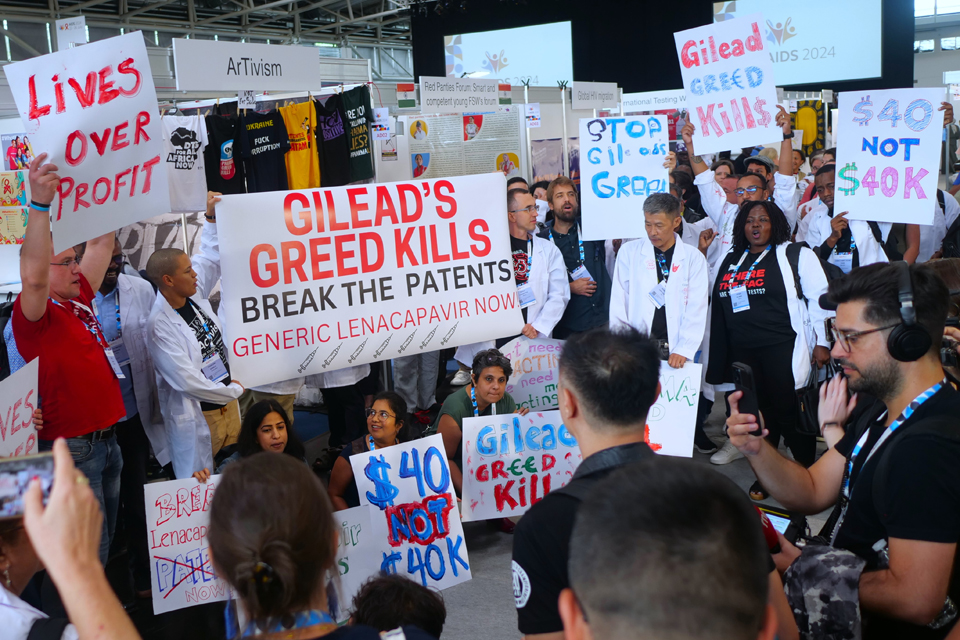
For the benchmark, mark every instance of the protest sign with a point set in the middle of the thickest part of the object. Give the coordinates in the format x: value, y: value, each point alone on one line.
x: 358, y: 553
x: 322, y: 279
x: 178, y: 517
x: 624, y: 165
x: 93, y: 109
x: 533, y: 383
x: 511, y: 462
x: 888, y: 154
x: 728, y: 78
x: 18, y: 399
x: 410, y: 484
x: 671, y: 419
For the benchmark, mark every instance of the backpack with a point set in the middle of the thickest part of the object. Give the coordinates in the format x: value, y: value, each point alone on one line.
x: 951, y: 241
x: 6, y: 311
x: 832, y: 271
x: 48, y: 629
x: 890, y: 247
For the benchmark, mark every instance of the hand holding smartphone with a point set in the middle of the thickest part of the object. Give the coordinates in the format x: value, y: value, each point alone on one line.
x: 15, y: 477
x: 743, y: 380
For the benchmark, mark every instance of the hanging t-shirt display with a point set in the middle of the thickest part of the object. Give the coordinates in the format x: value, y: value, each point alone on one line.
x: 356, y: 105
x: 264, y: 143
x: 303, y: 164
x: 332, y: 143
x: 184, y: 138
x: 223, y: 166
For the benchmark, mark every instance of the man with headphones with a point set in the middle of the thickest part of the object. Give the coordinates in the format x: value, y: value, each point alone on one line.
x: 893, y: 476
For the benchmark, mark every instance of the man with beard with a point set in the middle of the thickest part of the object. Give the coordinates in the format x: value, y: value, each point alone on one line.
x: 892, y: 476
x: 585, y: 262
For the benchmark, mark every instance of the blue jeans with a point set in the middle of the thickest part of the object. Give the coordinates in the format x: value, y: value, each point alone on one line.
x: 101, y: 463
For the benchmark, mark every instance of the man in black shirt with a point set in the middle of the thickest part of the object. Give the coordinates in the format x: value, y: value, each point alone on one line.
x: 608, y: 382
x: 894, y: 474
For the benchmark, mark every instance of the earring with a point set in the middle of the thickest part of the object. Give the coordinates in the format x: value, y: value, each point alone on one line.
x: 6, y: 576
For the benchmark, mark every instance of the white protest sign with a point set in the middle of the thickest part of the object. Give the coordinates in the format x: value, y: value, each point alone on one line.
x: 672, y: 418
x: 888, y: 154
x: 512, y: 462
x: 322, y: 279
x: 381, y: 123
x: 594, y: 95
x: 71, y: 32
x: 178, y: 517
x: 247, y: 100
x: 621, y: 164
x: 18, y: 399
x: 410, y: 485
x: 237, y: 66
x: 358, y: 552
x: 532, y: 112
x: 456, y: 95
x: 94, y: 111
x: 728, y: 77
x: 533, y: 383
x: 654, y: 101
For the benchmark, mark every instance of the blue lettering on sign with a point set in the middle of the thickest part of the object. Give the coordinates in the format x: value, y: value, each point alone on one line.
x: 566, y: 439
x: 385, y: 492
x: 428, y: 458
x: 601, y: 191
x: 389, y: 563
x: 524, y: 438
x: 593, y: 155
x: 531, y: 438
x: 453, y: 550
x: 436, y: 507
x: 754, y: 77
x: 486, y: 441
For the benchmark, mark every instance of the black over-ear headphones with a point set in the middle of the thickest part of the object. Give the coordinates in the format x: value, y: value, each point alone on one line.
x: 908, y: 341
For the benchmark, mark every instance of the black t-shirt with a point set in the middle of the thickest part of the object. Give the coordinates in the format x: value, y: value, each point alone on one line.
x: 356, y: 106
x: 351, y: 494
x: 583, y: 312
x: 211, y: 342
x: 264, y: 141
x: 658, y: 330
x: 767, y: 321
x: 521, y: 264
x: 362, y: 632
x: 332, y: 142
x: 221, y: 155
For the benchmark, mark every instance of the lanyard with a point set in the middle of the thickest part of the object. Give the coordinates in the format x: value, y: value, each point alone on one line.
x: 275, y: 628
x: 579, y: 242
x: 476, y: 411
x: 373, y: 445
x: 116, y: 301
x: 753, y: 267
x: 94, y: 328
x: 853, y: 243
x: 202, y: 316
x: 662, y: 263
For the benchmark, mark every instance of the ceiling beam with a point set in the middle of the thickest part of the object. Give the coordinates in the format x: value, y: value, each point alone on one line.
x: 19, y: 41
x: 226, y: 15
x: 369, y: 18
x: 81, y: 6
x: 150, y: 7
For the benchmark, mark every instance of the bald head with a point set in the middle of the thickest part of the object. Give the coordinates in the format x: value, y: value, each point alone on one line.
x: 163, y: 262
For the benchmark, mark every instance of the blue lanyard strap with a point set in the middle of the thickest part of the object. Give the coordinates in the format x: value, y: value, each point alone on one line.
x: 301, y: 620
x: 753, y: 267
x: 116, y: 301
x: 473, y: 399
x: 201, y: 315
x: 583, y: 256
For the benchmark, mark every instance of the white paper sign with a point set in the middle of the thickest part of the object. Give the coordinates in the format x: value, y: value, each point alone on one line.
x: 238, y: 66
x: 94, y: 111
x: 410, y: 486
x: 533, y: 383
x: 594, y: 95
x: 728, y: 77
x: 532, y: 112
x: 672, y: 418
x: 322, y: 279
x: 511, y: 462
x: 178, y: 517
x: 71, y: 32
x: 888, y: 154
x: 381, y: 123
x: 247, y: 100
x: 358, y: 553
x: 797, y: 141
x: 457, y: 95
x: 621, y: 163
x: 18, y: 400
x: 654, y: 101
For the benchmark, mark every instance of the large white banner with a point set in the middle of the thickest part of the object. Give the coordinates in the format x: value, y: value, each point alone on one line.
x: 410, y: 485
x: 211, y: 65
x: 93, y: 109
x: 671, y: 419
x: 322, y: 279
x: 888, y: 154
x: 18, y: 400
x: 621, y: 164
x: 728, y: 78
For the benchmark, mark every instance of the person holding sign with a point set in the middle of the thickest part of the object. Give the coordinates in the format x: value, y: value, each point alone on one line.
x: 660, y: 284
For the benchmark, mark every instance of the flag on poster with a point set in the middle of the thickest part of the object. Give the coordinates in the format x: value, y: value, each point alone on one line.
x: 406, y: 95
x: 506, y: 94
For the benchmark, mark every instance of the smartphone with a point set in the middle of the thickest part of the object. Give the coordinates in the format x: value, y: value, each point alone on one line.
x: 15, y: 477
x: 743, y: 380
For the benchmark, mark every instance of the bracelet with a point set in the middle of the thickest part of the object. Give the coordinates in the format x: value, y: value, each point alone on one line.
x: 39, y: 207
x: 788, y: 136
x: 209, y: 219
x: 827, y: 424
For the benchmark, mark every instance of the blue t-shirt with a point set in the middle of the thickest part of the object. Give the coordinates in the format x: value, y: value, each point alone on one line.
x: 108, y: 313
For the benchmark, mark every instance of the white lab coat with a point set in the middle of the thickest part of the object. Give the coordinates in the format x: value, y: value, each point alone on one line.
x: 177, y: 358
x: 805, y: 215
x: 686, y: 293
x: 868, y: 249
x: 692, y: 230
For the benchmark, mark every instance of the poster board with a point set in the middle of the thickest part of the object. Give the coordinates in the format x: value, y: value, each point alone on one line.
x: 536, y: 372
x: 17, y: 151
x: 19, y: 397
x: 672, y: 418
x: 358, y: 553
x: 467, y: 144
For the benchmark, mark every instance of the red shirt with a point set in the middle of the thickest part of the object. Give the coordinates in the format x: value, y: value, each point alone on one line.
x: 79, y: 392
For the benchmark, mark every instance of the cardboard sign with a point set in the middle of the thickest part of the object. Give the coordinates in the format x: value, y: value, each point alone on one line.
x: 512, y: 462
x: 178, y: 516
x: 358, y: 553
x: 94, y: 111
x: 236, y: 66
x: 456, y: 95
x: 888, y: 154
x: 533, y: 383
x: 18, y: 400
x: 594, y: 95
x: 322, y: 279
x: 672, y: 418
x: 728, y: 78
x: 623, y: 165
x: 410, y: 485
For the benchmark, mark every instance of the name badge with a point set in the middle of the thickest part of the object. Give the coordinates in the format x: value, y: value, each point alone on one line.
x: 112, y: 359
x: 120, y: 351
x: 214, y: 369
x: 842, y: 260
x: 739, y: 299
x: 526, y: 295
x: 659, y: 294
x: 581, y: 273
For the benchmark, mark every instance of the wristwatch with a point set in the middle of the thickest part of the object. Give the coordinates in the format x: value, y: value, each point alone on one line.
x: 788, y: 136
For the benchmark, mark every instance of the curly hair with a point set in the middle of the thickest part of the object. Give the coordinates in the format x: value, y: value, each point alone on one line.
x: 779, y: 233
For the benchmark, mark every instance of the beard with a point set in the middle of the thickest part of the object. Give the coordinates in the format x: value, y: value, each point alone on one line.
x: 568, y: 217
x: 882, y: 380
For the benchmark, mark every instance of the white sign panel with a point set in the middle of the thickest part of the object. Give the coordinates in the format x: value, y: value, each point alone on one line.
x: 71, y: 32
x: 595, y: 95
x: 888, y: 154
x: 178, y: 517
x: 672, y: 418
x: 410, y: 486
x: 235, y: 66
x: 621, y: 163
x: 536, y: 371
x: 18, y: 400
x: 728, y: 77
x: 654, y: 101
x: 381, y: 123
x: 532, y: 112
x: 94, y: 111
x: 358, y: 552
x: 322, y: 279
x: 457, y: 95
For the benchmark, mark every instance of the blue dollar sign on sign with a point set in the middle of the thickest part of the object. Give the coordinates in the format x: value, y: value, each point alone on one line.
x: 865, y: 114
x: 376, y: 471
x: 851, y: 167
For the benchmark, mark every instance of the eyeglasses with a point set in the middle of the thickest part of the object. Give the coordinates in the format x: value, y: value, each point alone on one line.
x: 744, y: 190
x: 67, y: 263
x: 531, y: 209
x: 383, y: 415
x: 849, y: 338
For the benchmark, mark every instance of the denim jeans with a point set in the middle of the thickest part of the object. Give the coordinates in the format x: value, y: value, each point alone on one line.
x: 101, y: 463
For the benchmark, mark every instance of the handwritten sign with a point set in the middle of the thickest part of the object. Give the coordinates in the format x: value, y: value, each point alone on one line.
x: 18, y: 400
x: 93, y: 109
x: 671, y: 419
x: 410, y: 485
x: 624, y: 165
x: 178, y: 516
x: 888, y: 154
x: 533, y: 383
x: 358, y: 552
x: 512, y: 462
x: 728, y: 79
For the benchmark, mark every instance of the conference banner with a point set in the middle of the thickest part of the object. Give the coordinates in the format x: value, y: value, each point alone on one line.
x: 322, y: 279
x: 93, y: 110
x: 728, y: 78
x: 622, y: 165
x: 888, y: 154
